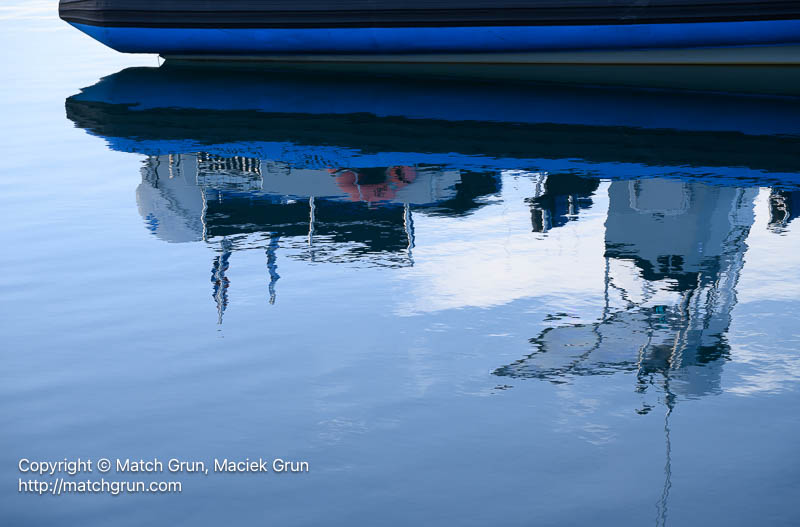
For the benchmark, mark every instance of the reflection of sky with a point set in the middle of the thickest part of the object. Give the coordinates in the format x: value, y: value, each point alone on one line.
x: 492, y: 258
x: 763, y: 285
x: 29, y: 9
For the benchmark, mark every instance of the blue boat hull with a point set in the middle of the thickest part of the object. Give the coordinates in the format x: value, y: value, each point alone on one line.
x: 199, y: 42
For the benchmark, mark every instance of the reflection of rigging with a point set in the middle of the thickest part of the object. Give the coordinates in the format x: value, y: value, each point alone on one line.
x: 281, y: 226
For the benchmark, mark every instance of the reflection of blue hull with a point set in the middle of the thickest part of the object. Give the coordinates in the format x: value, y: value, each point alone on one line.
x: 426, y: 40
x: 319, y: 121
x: 311, y: 93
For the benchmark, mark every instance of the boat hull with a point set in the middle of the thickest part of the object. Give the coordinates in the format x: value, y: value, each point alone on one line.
x: 768, y: 41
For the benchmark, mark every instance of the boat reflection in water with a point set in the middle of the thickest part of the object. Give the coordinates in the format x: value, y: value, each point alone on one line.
x: 336, y: 169
x: 336, y: 166
x: 332, y: 215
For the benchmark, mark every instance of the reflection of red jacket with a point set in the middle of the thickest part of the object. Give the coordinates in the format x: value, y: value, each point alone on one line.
x: 396, y: 178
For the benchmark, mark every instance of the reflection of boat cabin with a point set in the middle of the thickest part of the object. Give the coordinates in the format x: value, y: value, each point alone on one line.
x: 674, y: 251
x: 558, y: 198
x: 784, y: 206
x: 336, y: 215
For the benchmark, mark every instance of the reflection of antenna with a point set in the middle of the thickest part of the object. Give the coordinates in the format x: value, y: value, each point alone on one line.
x: 408, y: 225
x: 312, y: 209
x: 606, y: 285
x: 220, y: 281
x: 272, y: 266
x: 203, y: 213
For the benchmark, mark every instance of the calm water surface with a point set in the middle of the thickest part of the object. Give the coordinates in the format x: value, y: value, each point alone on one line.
x: 461, y: 303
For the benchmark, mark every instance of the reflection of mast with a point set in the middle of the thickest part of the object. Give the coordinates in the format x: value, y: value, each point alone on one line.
x: 312, y: 209
x: 203, y: 215
x: 661, y: 506
x: 218, y: 278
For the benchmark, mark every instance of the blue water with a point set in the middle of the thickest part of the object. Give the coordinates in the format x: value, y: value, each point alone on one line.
x: 460, y: 303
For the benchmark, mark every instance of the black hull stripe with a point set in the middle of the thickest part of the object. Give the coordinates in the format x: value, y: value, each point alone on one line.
x: 166, y: 14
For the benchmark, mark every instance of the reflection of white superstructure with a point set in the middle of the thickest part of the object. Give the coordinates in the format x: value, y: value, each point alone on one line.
x: 691, y: 238
x: 174, y: 187
x: 429, y: 184
x: 674, y: 252
x: 170, y: 200
x: 334, y: 213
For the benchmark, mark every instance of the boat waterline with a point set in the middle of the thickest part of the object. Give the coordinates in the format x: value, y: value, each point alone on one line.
x: 783, y: 54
